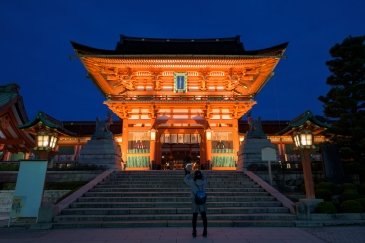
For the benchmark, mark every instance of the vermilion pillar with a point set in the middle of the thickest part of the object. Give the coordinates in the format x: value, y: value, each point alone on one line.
x: 307, y: 173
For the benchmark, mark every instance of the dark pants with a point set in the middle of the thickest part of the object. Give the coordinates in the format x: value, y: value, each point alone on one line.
x: 205, y: 221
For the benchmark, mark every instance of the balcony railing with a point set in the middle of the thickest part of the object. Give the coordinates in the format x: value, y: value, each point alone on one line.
x: 182, y: 98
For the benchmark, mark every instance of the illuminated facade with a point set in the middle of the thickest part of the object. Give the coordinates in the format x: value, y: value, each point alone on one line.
x: 180, y: 97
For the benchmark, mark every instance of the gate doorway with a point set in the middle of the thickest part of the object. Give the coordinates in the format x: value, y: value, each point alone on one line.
x: 174, y: 155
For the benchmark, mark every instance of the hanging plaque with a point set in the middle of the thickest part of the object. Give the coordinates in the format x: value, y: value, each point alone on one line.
x: 180, y: 82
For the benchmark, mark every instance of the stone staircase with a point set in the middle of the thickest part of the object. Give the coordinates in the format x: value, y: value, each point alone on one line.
x: 161, y: 199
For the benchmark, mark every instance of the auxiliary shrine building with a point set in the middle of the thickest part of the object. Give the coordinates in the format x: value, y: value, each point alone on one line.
x: 178, y: 98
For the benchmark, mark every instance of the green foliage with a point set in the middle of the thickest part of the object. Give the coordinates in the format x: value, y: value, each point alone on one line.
x: 326, y: 207
x: 362, y: 202
x: 326, y: 190
x: 68, y: 185
x: 76, y: 167
x: 345, y: 101
x: 361, y: 188
x: 349, y: 195
x: 326, y: 185
x: 349, y: 187
x: 324, y: 194
x: 351, y: 206
x: 7, y: 186
x: 9, y: 167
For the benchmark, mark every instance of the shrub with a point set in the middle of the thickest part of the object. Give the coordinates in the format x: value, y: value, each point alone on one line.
x: 9, y: 167
x: 351, y: 206
x: 326, y: 185
x: 349, y: 195
x: 326, y: 207
x: 7, y: 186
x: 324, y: 194
x: 362, y: 202
x: 349, y: 186
x: 361, y: 188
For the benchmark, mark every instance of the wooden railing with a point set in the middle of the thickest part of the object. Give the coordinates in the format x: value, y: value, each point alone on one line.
x: 181, y: 98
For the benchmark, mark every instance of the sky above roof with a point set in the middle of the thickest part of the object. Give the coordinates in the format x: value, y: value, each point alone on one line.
x: 37, y: 55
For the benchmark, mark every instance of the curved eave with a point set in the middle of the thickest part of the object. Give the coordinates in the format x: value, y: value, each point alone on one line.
x: 301, y: 120
x: 47, y: 121
x: 83, y: 50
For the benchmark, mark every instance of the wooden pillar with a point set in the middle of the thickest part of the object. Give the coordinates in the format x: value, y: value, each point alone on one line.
x: 307, y: 174
x: 152, y: 151
x: 236, y: 138
x: 202, y: 148
x: 208, y: 145
x: 125, y: 140
x: 158, y: 150
x: 282, y: 150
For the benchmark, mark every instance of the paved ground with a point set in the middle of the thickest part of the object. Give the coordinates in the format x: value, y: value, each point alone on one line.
x: 151, y: 235
x: 334, y: 234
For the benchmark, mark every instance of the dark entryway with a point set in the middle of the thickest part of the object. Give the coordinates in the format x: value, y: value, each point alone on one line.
x: 174, y: 155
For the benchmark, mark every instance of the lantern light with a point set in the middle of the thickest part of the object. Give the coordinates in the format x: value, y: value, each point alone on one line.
x: 153, y: 134
x: 208, y: 134
x: 303, y: 139
x: 46, y: 140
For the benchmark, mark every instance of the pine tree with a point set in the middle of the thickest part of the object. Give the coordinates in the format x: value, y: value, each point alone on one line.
x: 345, y: 101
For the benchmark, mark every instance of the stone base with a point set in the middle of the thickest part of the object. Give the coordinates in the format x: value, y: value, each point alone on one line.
x: 250, y: 153
x: 223, y: 168
x: 101, y: 152
x: 137, y: 168
x: 306, y: 207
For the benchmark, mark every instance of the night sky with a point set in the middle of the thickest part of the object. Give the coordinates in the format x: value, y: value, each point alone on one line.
x: 37, y: 55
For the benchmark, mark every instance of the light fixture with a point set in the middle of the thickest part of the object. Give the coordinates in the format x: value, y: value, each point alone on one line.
x: 208, y: 133
x: 153, y: 134
x: 303, y: 139
x: 46, y: 140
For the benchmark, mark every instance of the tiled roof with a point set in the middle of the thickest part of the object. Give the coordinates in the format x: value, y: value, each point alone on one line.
x: 48, y: 121
x: 302, y: 119
x: 158, y: 46
x: 8, y: 93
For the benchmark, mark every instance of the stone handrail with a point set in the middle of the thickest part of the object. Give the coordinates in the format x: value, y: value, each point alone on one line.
x: 74, y: 196
x: 273, y: 192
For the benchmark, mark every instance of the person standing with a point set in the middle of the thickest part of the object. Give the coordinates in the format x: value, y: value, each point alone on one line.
x: 197, y: 181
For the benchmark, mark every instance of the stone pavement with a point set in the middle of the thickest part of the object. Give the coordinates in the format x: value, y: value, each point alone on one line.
x: 227, y: 235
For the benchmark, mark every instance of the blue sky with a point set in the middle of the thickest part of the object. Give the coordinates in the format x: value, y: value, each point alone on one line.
x: 36, y: 52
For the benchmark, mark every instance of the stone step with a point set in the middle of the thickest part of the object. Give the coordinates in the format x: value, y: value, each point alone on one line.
x: 173, y: 223
x: 175, y: 173
x: 175, y: 184
x: 171, y: 194
x: 174, y: 199
x: 187, y: 216
x: 165, y: 210
x: 172, y: 186
x: 157, y: 178
x: 121, y: 190
x: 161, y: 199
x: 172, y: 204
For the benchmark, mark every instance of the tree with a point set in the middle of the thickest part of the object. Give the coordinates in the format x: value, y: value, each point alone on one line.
x: 344, y: 103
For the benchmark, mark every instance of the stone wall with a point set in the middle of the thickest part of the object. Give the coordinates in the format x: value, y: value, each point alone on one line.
x: 6, y: 197
x: 54, y: 176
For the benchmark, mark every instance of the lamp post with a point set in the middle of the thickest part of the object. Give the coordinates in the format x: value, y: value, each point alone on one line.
x: 32, y: 173
x: 303, y: 140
